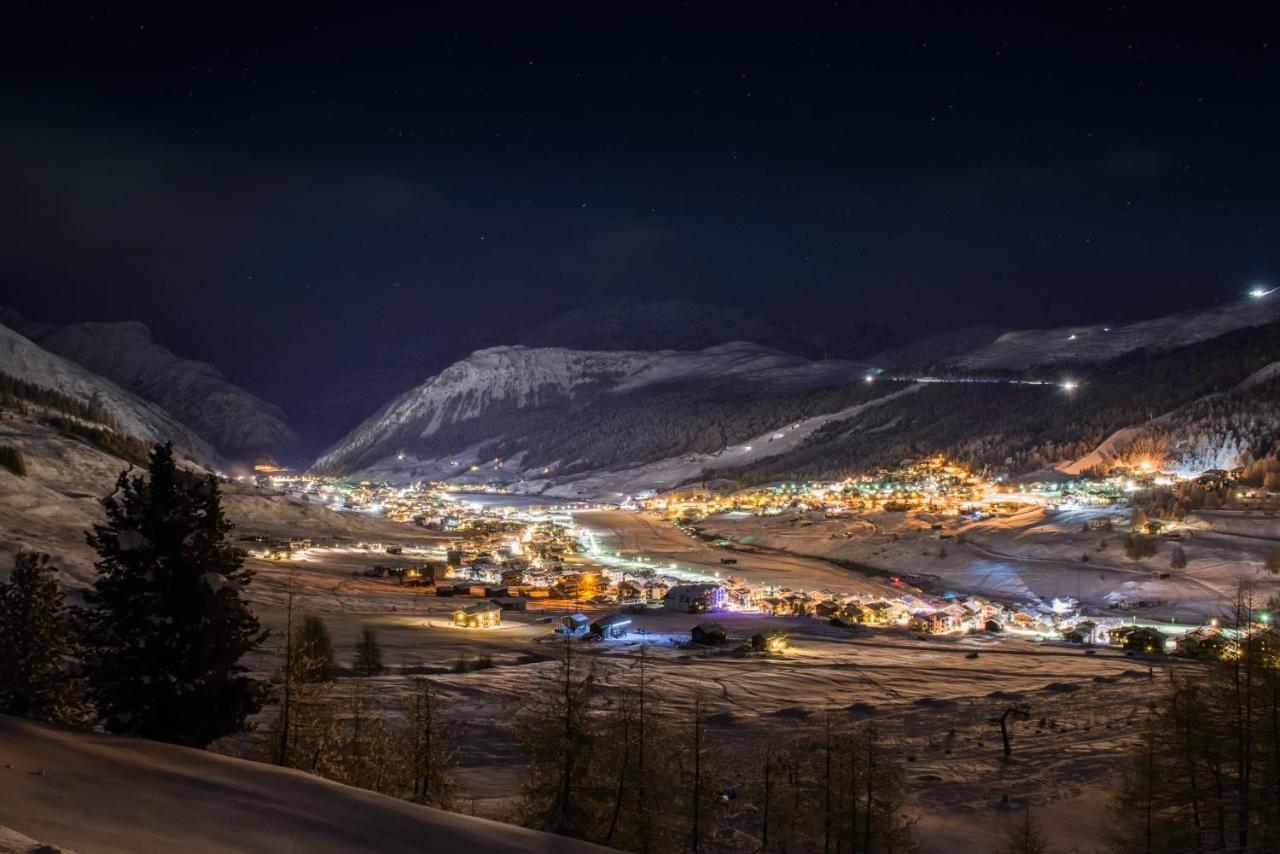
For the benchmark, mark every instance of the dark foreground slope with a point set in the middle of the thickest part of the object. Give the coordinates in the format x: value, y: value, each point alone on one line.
x: 93, y: 793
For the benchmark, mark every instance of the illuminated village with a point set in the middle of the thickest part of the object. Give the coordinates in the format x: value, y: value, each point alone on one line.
x: 539, y: 557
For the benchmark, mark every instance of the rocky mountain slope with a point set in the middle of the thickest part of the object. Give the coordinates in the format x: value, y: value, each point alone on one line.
x: 125, y: 412
x: 238, y: 424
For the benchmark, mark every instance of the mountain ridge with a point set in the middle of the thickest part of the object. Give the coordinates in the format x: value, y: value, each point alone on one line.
x: 237, y: 422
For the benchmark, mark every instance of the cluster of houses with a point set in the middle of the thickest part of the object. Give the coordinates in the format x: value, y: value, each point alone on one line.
x: 930, y: 484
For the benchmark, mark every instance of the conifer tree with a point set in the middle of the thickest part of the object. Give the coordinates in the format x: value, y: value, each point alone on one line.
x: 36, y: 681
x: 166, y: 625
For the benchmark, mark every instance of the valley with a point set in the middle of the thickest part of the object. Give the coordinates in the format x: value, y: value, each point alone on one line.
x: 895, y: 578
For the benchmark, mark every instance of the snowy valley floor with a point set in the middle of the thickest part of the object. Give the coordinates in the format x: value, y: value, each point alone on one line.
x: 98, y: 793
x: 933, y: 697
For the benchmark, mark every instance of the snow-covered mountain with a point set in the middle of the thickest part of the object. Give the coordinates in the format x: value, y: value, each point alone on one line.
x: 1096, y: 343
x: 25, y: 360
x: 473, y: 400
x: 195, y: 393
x: 554, y: 418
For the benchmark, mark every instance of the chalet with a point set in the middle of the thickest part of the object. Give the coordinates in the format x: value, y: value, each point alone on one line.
x: 611, y: 627
x: 481, y: 615
x: 871, y: 613
x: 1145, y: 639
x: 708, y: 634
x: 694, y: 598
x: 655, y: 591
x: 1022, y: 621
x: 1088, y: 632
x: 630, y: 591
x: 945, y: 620
x: 771, y: 640
x: 574, y: 625
x: 514, y: 577
x: 1203, y: 642
x: 829, y: 608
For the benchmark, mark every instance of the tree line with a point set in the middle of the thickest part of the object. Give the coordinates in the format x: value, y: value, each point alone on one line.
x: 1205, y: 776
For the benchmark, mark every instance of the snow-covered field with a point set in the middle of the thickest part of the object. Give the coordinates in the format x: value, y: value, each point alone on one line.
x: 98, y: 793
x: 934, y: 697
x: 1033, y: 556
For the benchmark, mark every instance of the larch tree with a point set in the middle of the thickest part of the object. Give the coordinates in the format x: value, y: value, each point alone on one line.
x: 431, y: 749
x: 1024, y: 836
x: 166, y: 625
x: 555, y: 726
x: 368, y: 660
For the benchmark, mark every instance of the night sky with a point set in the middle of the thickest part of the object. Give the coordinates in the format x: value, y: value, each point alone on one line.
x: 289, y: 194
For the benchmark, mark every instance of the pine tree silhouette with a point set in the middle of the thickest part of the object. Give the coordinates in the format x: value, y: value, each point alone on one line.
x: 166, y: 627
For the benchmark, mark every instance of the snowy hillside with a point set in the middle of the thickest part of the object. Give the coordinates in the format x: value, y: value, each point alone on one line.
x: 50, y: 508
x: 25, y: 360
x: 1075, y: 344
x: 195, y: 393
x: 503, y: 380
x: 99, y: 793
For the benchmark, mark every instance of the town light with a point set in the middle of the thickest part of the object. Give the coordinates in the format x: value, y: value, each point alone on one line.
x: 1069, y: 385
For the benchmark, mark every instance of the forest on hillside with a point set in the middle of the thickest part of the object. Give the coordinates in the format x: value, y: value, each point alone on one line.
x: 1014, y: 429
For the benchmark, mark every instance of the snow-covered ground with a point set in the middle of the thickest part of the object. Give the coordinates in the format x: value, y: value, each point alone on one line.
x: 51, y: 508
x: 617, y: 486
x: 1097, y: 343
x: 1033, y: 556
x: 98, y: 793
x: 133, y: 416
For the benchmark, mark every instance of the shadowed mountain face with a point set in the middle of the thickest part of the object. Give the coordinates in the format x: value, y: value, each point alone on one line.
x: 239, y: 424
x: 98, y: 400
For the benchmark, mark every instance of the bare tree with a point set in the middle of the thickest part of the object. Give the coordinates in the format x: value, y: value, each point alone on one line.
x: 429, y: 742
